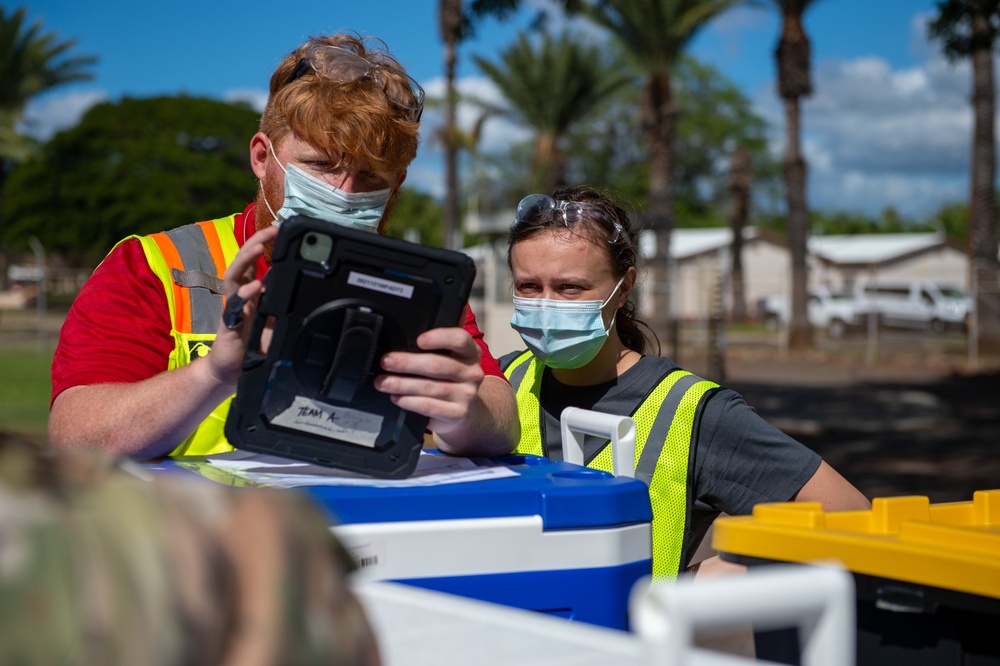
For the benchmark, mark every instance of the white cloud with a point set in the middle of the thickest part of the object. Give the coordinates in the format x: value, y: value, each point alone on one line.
x: 256, y: 98
x: 56, y: 112
x: 877, y: 137
x: 733, y: 22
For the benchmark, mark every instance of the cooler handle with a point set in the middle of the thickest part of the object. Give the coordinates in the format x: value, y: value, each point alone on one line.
x: 575, y: 423
x: 818, y: 599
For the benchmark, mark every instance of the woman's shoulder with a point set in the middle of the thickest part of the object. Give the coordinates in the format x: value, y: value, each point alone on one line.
x: 650, y: 366
x: 509, y: 358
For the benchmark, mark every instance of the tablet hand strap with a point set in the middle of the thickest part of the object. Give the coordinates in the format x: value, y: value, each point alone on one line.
x: 352, y: 363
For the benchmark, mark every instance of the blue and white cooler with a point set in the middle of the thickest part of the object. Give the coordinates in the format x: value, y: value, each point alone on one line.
x: 522, y: 531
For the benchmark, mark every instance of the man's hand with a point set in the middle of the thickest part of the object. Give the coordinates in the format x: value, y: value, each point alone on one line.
x: 240, y: 281
x: 441, y: 385
x: 468, y: 415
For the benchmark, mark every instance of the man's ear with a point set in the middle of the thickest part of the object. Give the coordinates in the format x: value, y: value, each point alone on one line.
x: 402, y: 177
x: 258, y: 154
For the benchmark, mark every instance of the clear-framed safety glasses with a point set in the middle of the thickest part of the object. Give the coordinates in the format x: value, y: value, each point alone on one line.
x: 535, y: 205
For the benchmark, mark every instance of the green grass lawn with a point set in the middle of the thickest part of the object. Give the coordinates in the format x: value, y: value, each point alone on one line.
x: 25, y: 390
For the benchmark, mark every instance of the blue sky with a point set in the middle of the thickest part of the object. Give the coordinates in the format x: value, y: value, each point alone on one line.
x: 889, y: 124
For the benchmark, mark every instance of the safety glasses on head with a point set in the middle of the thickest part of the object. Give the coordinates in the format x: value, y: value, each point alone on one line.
x: 343, y: 65
x: 535, y: 205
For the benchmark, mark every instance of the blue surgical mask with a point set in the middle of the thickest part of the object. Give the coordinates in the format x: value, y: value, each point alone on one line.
x: 562, y: 334
x: 310, y: 196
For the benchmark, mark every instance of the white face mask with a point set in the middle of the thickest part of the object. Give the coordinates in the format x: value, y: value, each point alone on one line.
x: 310, y: 196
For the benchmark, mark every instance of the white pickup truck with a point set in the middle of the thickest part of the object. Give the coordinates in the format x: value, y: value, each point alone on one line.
x: 836, y: 313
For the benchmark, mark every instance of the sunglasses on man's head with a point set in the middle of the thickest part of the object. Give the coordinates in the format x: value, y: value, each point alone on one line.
x: 535, y: 205
x: 339, y: 64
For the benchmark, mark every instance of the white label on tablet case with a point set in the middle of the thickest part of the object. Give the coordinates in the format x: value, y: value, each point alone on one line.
x: 343, y: 423
x: 380, y: 284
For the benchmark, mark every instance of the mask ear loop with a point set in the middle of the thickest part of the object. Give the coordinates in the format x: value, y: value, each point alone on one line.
x: 607, y: 331
x: 260, y: 183
x: 613, y: 292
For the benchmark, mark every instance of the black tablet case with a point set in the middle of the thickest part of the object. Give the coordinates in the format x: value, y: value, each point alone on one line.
x: 339, y: 299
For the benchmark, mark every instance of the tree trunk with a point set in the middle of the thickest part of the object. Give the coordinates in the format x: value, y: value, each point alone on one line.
x: 740, y: 176
x: 659, y: 115
x: 4, y: 258
x: 794, y: 81
x: 450, y: 26
x: 800, y: 333
x: 794, y: 55
x: 982, y: 203
x: 557, y: 169
x: 541, y: 163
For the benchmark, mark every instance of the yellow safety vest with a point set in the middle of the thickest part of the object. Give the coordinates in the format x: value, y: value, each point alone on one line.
x: 664, y: 423
x: 190, y: 262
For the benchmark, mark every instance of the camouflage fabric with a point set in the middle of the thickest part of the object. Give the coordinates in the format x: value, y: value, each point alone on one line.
x: 99, y: 566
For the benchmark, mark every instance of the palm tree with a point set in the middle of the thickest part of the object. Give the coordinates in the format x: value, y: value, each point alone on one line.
x: 794, y: 54
x: 31, y: 62
x: 551, y: 87
x: 655, y: 33
x: 455, y: 24
x: 968, y: 29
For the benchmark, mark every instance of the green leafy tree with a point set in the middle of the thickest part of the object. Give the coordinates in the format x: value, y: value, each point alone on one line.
x: 952, y: 219
x: 31, y: 62
x: 133, y: 166
x: 656, y: 33
x: 715, y: 120
x: 552, y: 86
x: 794, y: 59
x: 419, y: 213
x: 968, y: 29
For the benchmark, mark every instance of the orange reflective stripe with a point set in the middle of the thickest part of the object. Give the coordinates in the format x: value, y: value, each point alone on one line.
x: 182, y: 308
x: 214, y: 246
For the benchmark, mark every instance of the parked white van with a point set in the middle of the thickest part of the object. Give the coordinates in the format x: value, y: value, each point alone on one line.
x: 834, y: 312
x: 920, y: 304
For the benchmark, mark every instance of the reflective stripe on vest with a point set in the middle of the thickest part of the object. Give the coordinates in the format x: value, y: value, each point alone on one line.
x: 664, y: 420
x: 190, y: 262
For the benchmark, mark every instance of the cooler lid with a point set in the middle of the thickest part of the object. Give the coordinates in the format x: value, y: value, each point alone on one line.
x: 954, y: 545
x: 566, y: 496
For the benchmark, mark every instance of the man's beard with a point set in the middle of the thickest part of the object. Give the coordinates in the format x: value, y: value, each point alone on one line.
x: 263, y: 218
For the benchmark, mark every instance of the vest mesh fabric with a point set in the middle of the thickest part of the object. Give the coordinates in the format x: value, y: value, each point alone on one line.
x: 668, y: 485
x: 204, y: 248
x: 529, y: 409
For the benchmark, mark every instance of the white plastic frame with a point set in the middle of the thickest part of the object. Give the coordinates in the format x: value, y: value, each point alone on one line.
x: 819, y: 600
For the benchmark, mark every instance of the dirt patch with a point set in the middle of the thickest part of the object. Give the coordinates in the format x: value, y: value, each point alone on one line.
x: 892, y: 430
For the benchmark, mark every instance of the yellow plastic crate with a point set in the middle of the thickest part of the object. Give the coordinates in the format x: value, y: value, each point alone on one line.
x: 952, y: 546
